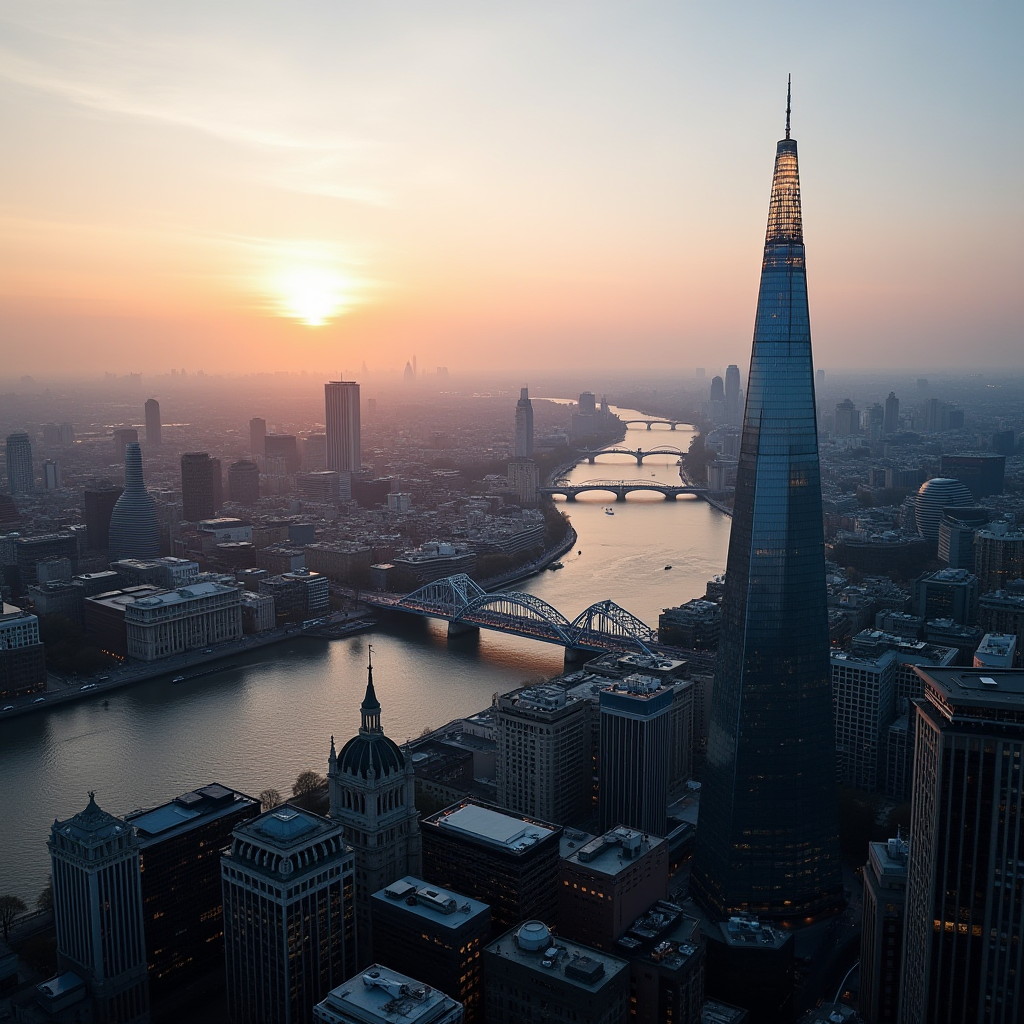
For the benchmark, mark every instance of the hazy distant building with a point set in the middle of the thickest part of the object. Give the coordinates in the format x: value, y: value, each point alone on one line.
x: 257, y: 432
x: 524, y: 426
x: 123, y: 436
x: 289, y: 924
x: 284, y: 446
x: 717, y: 400
x: 891, y: 419
x: 52, y: 479
x: 20, y: 476
x: 524, y: 480
x: 847, y: 419
x: 733, y: 395
x: 343, y: 428
x: 981, y: 474
x: 244, y: 482
x: 198, y: 491
x: 134, y: 530
x: 97, y: 910
x: 153, y: 426
x: 314, y: 453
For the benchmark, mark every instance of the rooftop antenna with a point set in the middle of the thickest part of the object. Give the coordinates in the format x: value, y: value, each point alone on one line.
x: 369, y: 656
x: 789, y: 98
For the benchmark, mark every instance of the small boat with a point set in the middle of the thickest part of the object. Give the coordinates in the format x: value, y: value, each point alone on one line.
x: 609, y: 512
x: 667, y: 567
x: 556, y: 565
x: 178, y: 679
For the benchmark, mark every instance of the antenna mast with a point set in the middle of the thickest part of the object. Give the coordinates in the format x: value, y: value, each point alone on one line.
x: 789, y: 98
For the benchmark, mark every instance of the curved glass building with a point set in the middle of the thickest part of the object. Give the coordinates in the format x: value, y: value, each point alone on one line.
x: 768, y: 835
x: 134, y: 528
x: 933, y: 498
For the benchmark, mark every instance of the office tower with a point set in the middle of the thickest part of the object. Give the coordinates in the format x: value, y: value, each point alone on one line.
x: 733, y: 406
x: 864, y: 696
x: 179, y: 850
x: 998, y: 556
x: 197, y: 486
x: 344, y: 453
x: 524, y: 480
x: 314, y: 453
x: 634, y: 754
x: 543, y: 764
x: 957, y: 528
x: 508, y: 861
x: 123, y: 436
x: 533, y: 976
x: 607, y: 882
x: 66, y: 433
x: 134, y: 530
x: 588, y: 403
x: 22, y: 656
x: 289, y: 923
x: 97, y: 910
x: 284, y: 446
x: 750, y: 963
x: 51, y: 434
x: 1003, y: 442
x: 373, y: 794
x: 244, y: 482
x: 436, y: 934
x: 881, y: 944
x: 524, y: 426
x: 982, y: 475
x: 963, y: 952
x: 933, y: 498
x: 20, y: 477
x: 380, y: 995
x: 768, y: 840
x: 51, y: 476
x: 99, y: 507
x: 717, y: 400
x: 947, y: 594
x: 257, y: 433
x: 891, y: 419
x: 847, y: 419
x: 152, y: 423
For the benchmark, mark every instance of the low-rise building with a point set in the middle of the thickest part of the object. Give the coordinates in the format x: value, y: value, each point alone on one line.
x: 22, y: 657
x: 258, y: 614
x: 341, y: 560
x: 176, y: 621
x: 380, y: 995
x: 298, y: 595
x: 103, y: 616
x: 57, y: 598
x: 693, y: 625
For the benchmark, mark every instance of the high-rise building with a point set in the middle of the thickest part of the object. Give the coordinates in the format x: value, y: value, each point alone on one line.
x: 588, y: 403
x: 99, y: 507
x: 344, y: 452
x: 847, y: 419
x: 982, y: 475
x: 373, y: 795
x: 524, y: 480
x: 153, y: 429
x: 134, y: 530
x: 733, y: 395
x: 932, y: 500
x: 436, y: 933
x: 963, y: 952
x: 179, y: 849
x: 891, y: 419
x: 1003, y: 442
x: 379, y: 995
x: 947, y: 594
x: 52, y: 480
x: 123, y: 436
x: 881, y: 944
x: 634, y: 754
x: 544, y: 764
x: 20, y: 476
x: 717, y: 400
x: 289, y: 923
x: 998, y: 556
x: 197, y: 486
x: 257, y: 433
x: 314, y: 453
x: 768, y: 840
x: 524, y: 426
x: 97, y: 910
x: 244, y: 482
x: 864, y: 695
x: 284, y: 446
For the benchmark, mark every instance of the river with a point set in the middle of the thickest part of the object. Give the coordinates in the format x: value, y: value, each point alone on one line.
x: 257, y: 725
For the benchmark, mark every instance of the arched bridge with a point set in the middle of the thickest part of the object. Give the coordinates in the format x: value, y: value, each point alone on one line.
x: 464, y: 603
x: 672, y: 424
x: 620, y: 488
x: 639, y: 454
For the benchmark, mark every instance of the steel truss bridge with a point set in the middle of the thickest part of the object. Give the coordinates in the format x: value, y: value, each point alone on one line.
x: 620, y: 488
x: 639, y: 454
x: 604, y: 626
x: 671, y: 424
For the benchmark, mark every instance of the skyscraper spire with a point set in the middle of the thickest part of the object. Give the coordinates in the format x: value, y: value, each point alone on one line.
x: 789, y: 99
x: 768, y: 836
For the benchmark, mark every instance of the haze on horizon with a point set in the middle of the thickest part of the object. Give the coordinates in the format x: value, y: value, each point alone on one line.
x: 261, y: 186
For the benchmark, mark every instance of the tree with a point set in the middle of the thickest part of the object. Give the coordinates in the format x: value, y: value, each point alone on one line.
x: 10, y: 907
x: 308, y: 782
x: 44, y: 901
x: 269, y: 799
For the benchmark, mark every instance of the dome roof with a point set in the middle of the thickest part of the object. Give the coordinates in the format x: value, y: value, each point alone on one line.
x: 371, y: 749
x: 933, y: 497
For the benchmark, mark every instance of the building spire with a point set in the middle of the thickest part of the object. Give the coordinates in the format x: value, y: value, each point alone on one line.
x: 789, y: 100
x: 370, y: 709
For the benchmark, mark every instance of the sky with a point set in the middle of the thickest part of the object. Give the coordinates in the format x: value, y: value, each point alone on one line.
x: 252, y: 186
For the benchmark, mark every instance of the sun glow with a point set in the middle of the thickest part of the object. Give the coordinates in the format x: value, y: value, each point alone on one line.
x: 313, y: 295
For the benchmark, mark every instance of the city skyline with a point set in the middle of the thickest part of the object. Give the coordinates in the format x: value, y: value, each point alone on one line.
x: 468, y: 224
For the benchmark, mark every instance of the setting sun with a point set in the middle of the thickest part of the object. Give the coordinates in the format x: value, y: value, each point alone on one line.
x: 313, y: 295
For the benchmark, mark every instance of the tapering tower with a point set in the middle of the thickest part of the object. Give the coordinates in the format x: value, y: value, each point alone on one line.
x: 768, y: 836
x: 134, y: 527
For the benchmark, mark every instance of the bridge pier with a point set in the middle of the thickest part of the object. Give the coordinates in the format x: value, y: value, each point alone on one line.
x: 570, y: 496
x: 671, y: 497
x: 672, y: 426
x: 462, y: 629
x: 620, y: 495
x: 591, y: 459
x: 576, y: 656
x: 650, y: 426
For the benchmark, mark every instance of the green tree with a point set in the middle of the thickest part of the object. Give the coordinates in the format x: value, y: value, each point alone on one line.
x: 10, y: 907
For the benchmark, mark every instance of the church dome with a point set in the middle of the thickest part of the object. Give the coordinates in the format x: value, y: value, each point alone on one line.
x: 370, y: 748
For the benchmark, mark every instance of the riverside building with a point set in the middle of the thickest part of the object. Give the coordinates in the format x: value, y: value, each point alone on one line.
x: 196, y: 616
x: 22, y: 656
x: 768, y: 840
x: 289, y: 919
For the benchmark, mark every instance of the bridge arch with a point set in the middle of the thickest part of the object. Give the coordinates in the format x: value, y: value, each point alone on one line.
x: 449, y: 596
x: 519, y: 605
x: 611, y: 619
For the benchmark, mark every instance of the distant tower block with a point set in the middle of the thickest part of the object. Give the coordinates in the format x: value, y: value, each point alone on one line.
x: 257, y: 435
x: 20, y: 476
x: 344, y: 440
x: 134, y: 530
x: 153, y: 428
x: 524, y: 426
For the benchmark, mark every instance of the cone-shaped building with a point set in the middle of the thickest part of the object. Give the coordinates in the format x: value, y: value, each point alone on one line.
x: 134, y: 527
x: 767, y: 840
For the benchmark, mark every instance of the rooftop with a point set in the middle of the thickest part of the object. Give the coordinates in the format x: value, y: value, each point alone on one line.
x: 186, y: 811
x: 441, y: 907
x: 287, y: 827
x: 614, y: 851
x: 190, y: 593
x: 379, y: 994
x: 963, y: 694
x: 494, y: 828
x: 744, y: 930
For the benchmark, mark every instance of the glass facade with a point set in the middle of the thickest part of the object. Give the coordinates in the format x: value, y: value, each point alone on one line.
x: 767, y: 840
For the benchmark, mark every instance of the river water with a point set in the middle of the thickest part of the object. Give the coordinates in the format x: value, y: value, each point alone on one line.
x: 257, y: 725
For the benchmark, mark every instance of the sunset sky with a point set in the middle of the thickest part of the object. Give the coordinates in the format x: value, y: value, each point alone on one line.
x: 259, y: 186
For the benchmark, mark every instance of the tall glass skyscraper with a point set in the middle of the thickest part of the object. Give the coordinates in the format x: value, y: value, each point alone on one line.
x: 20, y: 477
x: 768, y: 835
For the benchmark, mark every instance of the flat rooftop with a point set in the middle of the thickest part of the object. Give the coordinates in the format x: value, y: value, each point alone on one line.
x: 495, y: 828
x: 187, y: 811
x: 379, y: 995
x: 613, y: 852
x: 425, y: 901
x: 980, y: 689
x: 170, y: 598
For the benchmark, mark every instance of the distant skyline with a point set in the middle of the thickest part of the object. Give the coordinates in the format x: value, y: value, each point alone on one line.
x: 267, y: 186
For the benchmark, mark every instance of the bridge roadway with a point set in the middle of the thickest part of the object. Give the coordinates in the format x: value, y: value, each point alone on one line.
x: 672, y: 424
x: 620, y: 488
x: 467, y: 607
x: 639, y: 454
